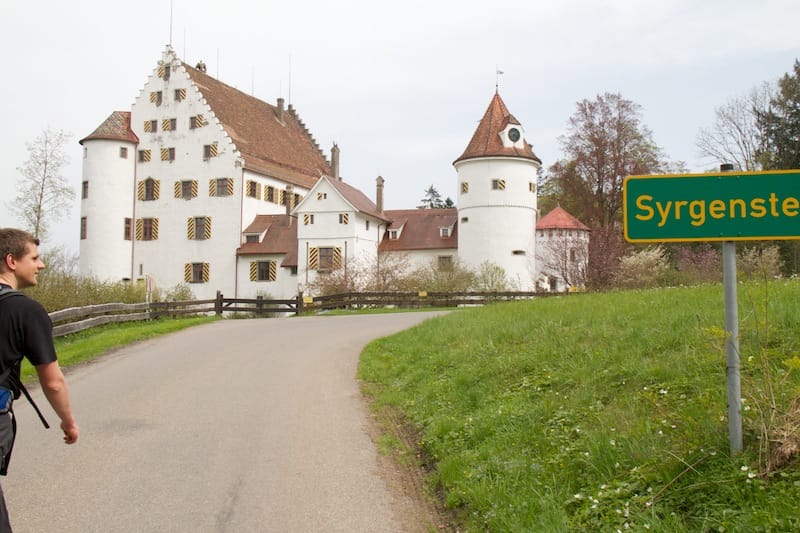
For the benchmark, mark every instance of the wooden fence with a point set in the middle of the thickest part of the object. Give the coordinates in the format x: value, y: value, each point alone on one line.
x: 77, y: 319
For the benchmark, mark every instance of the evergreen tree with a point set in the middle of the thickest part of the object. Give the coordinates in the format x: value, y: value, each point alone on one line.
x: 779, y: 124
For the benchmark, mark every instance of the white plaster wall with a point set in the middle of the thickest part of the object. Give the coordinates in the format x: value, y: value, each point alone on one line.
x: 284, y: 287
x: 105, y: 253
x: 499, y: 222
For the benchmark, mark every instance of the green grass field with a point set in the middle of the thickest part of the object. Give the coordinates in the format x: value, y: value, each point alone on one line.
x: 601, y: 412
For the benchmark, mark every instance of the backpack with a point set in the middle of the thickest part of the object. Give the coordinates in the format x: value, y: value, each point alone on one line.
x: 5, y: 293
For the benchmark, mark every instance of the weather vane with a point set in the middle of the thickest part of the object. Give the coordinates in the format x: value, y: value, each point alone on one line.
x: 497, y: 74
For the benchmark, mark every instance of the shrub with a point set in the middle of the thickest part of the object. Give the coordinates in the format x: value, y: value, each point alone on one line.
x: 645, y: 268
x: 760, y: 262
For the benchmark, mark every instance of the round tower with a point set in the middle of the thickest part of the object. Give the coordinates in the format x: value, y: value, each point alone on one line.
x: 107, y: 195
x: 497, y: 199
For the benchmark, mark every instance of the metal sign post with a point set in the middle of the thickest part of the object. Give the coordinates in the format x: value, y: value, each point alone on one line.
x: 732, y: 347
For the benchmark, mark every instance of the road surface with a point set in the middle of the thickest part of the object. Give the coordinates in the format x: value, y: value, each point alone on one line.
x: 234, y: 426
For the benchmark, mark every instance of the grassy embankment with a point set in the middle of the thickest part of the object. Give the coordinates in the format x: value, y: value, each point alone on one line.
x: 600, y: 412
x: 90, y: 343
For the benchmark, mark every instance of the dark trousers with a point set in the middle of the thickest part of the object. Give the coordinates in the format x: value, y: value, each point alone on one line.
x: 5, y: 525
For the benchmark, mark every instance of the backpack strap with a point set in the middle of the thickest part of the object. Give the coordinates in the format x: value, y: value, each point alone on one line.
x: 6, y: 292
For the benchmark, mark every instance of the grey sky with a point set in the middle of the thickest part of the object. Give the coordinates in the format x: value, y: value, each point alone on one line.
x: 399, y: 86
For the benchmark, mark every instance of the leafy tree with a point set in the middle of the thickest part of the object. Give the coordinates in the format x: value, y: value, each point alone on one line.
x: 605, y: 142
x: 779, y: 124
x: 734, y: 135
x: 43, y: 195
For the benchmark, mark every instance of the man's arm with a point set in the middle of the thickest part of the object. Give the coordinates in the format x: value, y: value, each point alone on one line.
x: 55, y: 390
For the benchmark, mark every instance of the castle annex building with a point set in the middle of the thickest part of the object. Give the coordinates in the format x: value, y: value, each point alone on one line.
x: 203, y: 184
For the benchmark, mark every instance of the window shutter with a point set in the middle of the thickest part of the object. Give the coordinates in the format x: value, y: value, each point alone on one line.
x: 207, y: 229
x: 281, y: 197
x: 148, y: 126
x: 306, y: 219
x: 258, y: 190
x: 139, y: 229
x: 229, y: 186
x: 180, y: 94
x: 190, y: 229
x: 273, y: 271
x: 194, y: 188
x: 165, y: 154
x: 187, y: 272
x: 166, y: 124
x: 337, y: 258
x: 140, y: 191
x: 156, y: 189
x: 155, y: 229
x: 313, y: 258
x: 253, y: 270
x: 206, y: 272
x: 153, y: 97
x: 213, y: 149
x: 212, y: 187
x: 177, y: 189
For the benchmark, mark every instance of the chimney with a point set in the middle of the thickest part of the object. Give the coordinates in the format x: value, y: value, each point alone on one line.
x: 379, y: 194
x: 280, y: 110
x: 335, y: 162
x: 288, y: 198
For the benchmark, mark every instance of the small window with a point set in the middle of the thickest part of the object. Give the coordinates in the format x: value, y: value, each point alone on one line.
x: 127, y: 230
x: 149, y: 229
x: 164, y: 71
x: 180, y: 95
x: 209, y: 151
x: 196, y: 121
x: 366, y: 225
x: 263, y: 271
x: 85, y: 152
x: 151, y: 190
x: 394, y: 234
x: 85, y: 190
x: 445, y: 262
x: 199, y: 228
x: 499, y: 185
x: 188, y: 189
x: 83, y: 227
x: 464, y: 187
x: 144, y: 156
x: 322, y: 195
x: 326, y: 259
x: 196, y: 273
x: 123, y: 152
x: 150, y: 126
x: 308, y: 219
x: 156, y: 97
x: 464, y: 220
x: 532, y: 187
x: 221, y: 187
x: 344, y: 218
x: 444, y: 231
x: 269, y: 194
x: 252, y: 189
x: 169, y: 124
x: 518, y: 252
x: 251, y: 239
x: 168, y: 154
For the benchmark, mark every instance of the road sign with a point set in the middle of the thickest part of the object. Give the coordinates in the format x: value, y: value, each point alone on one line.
x: 724, y: 206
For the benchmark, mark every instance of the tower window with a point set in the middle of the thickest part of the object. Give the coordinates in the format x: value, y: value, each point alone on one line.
x: 83, y: 227
x: 499, y: 185
x: 85, y: 190
x: 123, y: 152
x: 464, y: 187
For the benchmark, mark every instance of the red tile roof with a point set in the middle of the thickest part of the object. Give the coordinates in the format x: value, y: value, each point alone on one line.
x: 280, y: 148
x: 117, y: 127
x: 280, y: 238
x: 358, y: 199
x: 421, y: 230
x: 559, y: 218
x: 486, y: 141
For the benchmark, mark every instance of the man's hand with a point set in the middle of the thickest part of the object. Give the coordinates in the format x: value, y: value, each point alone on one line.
x: 71, y: 432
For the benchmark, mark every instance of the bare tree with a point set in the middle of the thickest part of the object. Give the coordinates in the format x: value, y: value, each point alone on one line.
x: 43, y: 194
x: 734, y: 136
x: 564, y: 257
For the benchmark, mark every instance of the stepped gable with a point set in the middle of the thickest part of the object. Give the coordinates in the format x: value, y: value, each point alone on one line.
x: 358, y: 199
x: 117, y: 127
x: 271, y: 142
x: 421, y: 230
x: 559, y: 218
x: 486, y: 141
x: 280, y: 238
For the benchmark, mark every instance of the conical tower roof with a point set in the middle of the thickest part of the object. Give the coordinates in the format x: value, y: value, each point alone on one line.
x: 487, y: 141
x: 117, y: 127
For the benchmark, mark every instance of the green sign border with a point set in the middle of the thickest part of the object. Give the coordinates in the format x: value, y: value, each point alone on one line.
x: 705, y: 188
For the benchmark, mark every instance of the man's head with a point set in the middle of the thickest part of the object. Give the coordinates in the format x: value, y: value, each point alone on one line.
x: 21, y: 262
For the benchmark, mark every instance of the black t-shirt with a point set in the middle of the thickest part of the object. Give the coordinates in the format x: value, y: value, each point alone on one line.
x: 25, y: 331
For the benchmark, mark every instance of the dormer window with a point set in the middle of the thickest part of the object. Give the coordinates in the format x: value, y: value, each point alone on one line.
x: 251, y: 238
x: 444, y: 232
x: 394, y: 234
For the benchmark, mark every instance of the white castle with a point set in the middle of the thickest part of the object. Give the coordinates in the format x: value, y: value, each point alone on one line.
x: 203, y: 184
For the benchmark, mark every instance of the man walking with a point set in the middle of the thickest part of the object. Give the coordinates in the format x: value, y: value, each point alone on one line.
x: 25, y: 331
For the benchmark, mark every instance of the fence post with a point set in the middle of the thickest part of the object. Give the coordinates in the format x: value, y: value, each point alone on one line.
x: 218, y: 304
x: 298, y: 306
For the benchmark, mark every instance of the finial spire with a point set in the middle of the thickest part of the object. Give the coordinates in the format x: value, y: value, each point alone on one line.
x: 497, y: 75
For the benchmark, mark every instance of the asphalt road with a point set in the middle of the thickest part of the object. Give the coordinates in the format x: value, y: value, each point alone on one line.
x: 234, y: 426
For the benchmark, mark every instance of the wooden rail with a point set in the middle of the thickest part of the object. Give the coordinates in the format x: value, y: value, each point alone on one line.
x: 77, y: 319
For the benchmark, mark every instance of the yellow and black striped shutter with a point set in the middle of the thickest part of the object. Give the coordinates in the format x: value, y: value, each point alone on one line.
x: 165, y: 154
x: 313, y: 258
x: 207, y: 229
x: 345, y: 218
x: 155, y: 229
x: 213, y: 150
x: 190, y: 229
x: 273, y: 270
x: 140, y: 190
x: 139, y: 229
x: 180, y: 94
x: 200, y: 121
x: 229, y: 186
x: 178, y: 188
x: 161, y: 71
x: 145, y: 156
x: 206, y: 272
x: 156, y: 189
x: 501, y: 184
x: 253, y: 270
x: 281, y: 195
x: 166, y: 124
x: 306, y: 219
x: 194, y: 189
x: 187, y: 272
x: 153, y: 97
x: 212, y: 187
x: 148, y: 126
x: 337, y: 258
